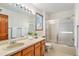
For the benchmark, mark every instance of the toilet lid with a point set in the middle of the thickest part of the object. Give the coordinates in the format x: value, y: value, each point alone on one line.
x: 48, y: 44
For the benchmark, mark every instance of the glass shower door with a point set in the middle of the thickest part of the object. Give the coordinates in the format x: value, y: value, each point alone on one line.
x: 66, y: 29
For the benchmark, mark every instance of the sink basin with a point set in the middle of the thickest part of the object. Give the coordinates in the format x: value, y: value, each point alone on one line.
x: 14, y: 46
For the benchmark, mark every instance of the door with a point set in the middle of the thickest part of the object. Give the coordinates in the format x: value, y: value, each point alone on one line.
x: 65, y: 33
x: 38, y: 49
x: 52, y: 31
x: 43, y: 48
x: 3, y: 27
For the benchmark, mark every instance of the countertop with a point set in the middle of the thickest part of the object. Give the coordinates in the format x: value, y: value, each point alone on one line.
x: 27, y: 43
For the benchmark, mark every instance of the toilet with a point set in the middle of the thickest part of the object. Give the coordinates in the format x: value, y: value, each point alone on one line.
x: 48, y: 46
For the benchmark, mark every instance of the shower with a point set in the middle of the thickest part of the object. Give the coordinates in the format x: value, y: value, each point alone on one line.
x: 61, y: 31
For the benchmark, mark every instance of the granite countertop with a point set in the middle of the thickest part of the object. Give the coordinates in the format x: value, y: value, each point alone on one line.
x: 27, y: 43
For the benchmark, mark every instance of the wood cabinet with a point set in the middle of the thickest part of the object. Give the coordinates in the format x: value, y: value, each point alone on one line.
x: 3, y: 27
x: 43, y: 48
x: 28, y: 51
x: 37, y: 49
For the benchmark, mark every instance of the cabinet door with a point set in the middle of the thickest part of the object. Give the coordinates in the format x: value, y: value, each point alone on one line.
x: 3, y: 27
x: 43, y: 48
x: 30, y: 53
x: 37, y: 49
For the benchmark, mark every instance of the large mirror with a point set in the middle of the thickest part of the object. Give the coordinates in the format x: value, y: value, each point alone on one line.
x: 20, y: 22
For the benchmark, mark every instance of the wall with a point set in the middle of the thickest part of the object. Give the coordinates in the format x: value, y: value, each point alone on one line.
x: 36, y: 10
x: 76, y: 23
x: 62, y: 14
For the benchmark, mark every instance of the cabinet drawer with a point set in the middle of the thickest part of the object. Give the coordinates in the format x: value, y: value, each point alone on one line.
x: 37, y: 44
x: 25, y: 51
x: 42, y: 49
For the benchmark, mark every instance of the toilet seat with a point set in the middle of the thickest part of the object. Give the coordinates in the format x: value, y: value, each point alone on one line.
x: 48, y: 46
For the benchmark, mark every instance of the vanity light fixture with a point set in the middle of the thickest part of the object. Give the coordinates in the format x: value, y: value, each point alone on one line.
x: 22, y: 6
x: 18, y: 5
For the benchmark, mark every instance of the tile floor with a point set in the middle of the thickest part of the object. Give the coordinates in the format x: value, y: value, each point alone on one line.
x: 61, y: 50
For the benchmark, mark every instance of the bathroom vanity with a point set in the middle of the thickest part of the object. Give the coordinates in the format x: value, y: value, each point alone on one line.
x: 34, y: 47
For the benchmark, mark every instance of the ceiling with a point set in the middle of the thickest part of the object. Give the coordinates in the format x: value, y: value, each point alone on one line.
x: 54, y: 7
x: 48, y: 7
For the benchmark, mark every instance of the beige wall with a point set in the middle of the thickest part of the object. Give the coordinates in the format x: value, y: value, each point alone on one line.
x: 62, y: 14
x: 36, y: 10
x: 76, y: 23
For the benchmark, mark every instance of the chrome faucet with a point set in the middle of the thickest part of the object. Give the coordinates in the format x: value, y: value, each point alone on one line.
x: 11, y: 42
